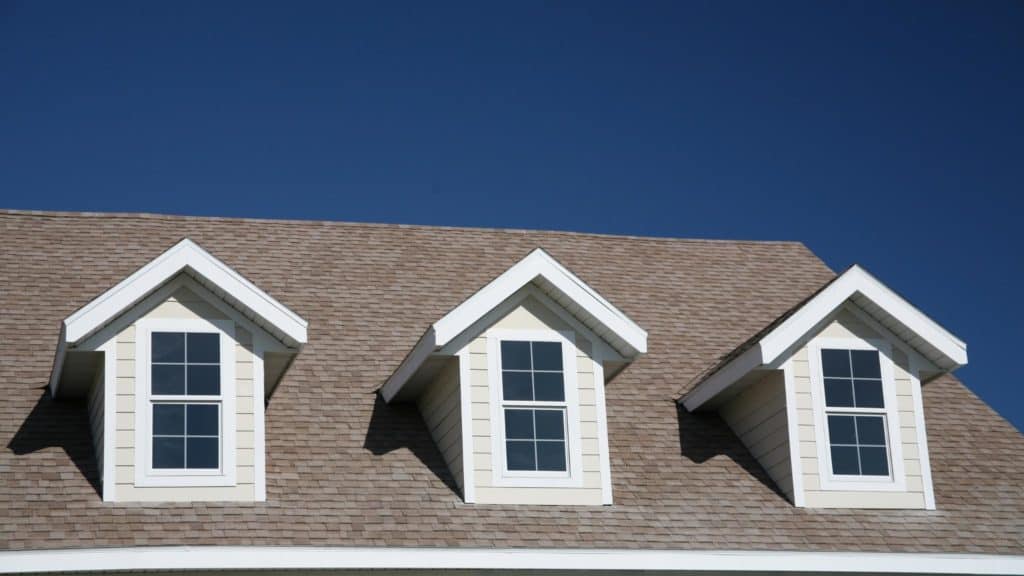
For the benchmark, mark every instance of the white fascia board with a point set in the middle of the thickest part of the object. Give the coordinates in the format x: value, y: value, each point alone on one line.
x: 412, y: 362
x: 767, y: 352
x: 853, y: 281
x: 296, y: 558
x: 539, y: 263
x: 184, y: 254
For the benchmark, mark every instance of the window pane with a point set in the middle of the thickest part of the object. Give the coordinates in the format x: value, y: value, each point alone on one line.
x: 874, y: 461
x: 520, y: 455
x: 202, y: 453
x: 868, y: 393
x: 548, y: 386
x: 865, y: 364
x: 204, y: 379
x: 838, y: 393
x: 168, y: 378
x: 844, y: 460
x: 167, y: 347
x: 835, y: 363
x: 547, y: 356
x: 203, y: 348
x: 515, y: 355
x: 516, y: 386
x: 202, y: 420
x: 551, y: 456
x: 169, y: 419
x: 871, y: 430
x: 550, y: 424
x: 519, y: 424
x: 168, y: 452
x: 841, y: 430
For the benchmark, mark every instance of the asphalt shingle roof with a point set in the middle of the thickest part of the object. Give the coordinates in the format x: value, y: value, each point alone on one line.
x: 344, y: 469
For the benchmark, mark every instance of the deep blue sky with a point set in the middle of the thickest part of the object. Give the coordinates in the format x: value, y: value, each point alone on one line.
x: 885, y: 133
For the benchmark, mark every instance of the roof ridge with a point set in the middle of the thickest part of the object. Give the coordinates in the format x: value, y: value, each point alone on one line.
x: 159, y: 216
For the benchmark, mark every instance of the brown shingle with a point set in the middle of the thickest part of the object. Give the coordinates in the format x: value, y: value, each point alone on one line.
x: 345, y: 470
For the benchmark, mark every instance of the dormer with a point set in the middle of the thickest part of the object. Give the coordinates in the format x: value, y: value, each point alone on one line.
x: 511, y: 386
x: 828, y: 396
x: 177, y: 361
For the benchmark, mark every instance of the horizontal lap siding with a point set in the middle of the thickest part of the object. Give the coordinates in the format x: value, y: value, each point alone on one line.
x: 441, y: 408
x: 758, y: 417
x: 532, y: 315
x: 847, y: 325
x: 183, y: 304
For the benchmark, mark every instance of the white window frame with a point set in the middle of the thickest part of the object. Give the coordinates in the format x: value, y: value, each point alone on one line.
x: 501, y: 476
x: 145, y: 474
x: 896, y: 480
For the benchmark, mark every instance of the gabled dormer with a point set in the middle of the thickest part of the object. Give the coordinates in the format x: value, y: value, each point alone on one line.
x: 511, y: 385
x: 177, y: 361
x: 828, y: 397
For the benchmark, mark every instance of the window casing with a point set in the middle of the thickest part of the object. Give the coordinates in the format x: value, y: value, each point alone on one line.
x: 185, y: 402
x: 856, y: 418
x: 534, y: 409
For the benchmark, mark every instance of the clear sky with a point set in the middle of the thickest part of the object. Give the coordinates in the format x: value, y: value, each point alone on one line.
x: 890, y: 134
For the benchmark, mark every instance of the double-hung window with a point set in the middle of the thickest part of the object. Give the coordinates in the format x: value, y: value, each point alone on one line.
x: 855, y: 413
x: 185, y: 403
x: 534, y: 407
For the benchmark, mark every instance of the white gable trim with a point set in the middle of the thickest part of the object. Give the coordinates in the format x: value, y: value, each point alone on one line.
x: 144, y: 558
x: 484, y: 302
x: 184, y: 254
x: 772, y: 348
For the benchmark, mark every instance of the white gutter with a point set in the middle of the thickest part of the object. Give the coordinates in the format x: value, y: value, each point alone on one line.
x: 274, y: 557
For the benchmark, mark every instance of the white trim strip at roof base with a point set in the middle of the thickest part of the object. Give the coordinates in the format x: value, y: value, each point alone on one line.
x: 275, y: 557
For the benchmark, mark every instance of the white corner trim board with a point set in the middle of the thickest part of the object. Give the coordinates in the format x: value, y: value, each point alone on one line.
x: 281, y: 558
x: 184, y: 254
x: 536, y: 264
x: 767, y: 351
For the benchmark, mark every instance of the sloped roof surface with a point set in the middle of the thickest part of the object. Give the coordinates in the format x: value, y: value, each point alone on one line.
x: 344, y: 469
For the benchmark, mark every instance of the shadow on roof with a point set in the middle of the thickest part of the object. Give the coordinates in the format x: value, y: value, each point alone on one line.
x: 704, y: 435
x: 63, y: 424
x: 395, y: 426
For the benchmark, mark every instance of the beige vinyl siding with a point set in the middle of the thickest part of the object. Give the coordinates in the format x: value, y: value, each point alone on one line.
x: 848, y: 325
x: 758, y: 417
x: 532, y: 315
x: 441, y: 408
x: 183, y: 304
x: 96, y: 416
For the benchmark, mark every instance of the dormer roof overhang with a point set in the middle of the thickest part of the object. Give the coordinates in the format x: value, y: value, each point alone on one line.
x: 554, y: 280
x: 185, y: 257
x: 768, y: 348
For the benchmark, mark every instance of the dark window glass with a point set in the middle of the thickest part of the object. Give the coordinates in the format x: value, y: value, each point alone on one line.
x: 548, y: 387
x: 201, y: 453
x: 168, y: 379
x: 203, y: 348
x: 519, y: 424
x: 835, y: 363
x: 167, y: 347
x: 169, y: 419
x: 547, y: 356
x: 168, y: 452
x: 841, y: 430
x: 873, y: 461
x: 870, y: 430
x: 844, y: 460
x: 550, y: 424
x: 865, y: 364
x: 868, y: 394
x: 520, y: 455
x: 551, y: 456
x: 204, y: 380
x: 515, y: 355
x: 203, y: 420
x: 516, y: 385
x: 838, y: 392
